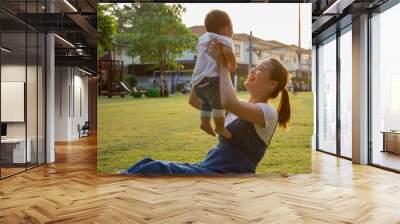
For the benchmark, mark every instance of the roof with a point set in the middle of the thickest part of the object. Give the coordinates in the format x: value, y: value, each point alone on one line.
x: 200, y: 30
x: 268, y: 44
x: 295, y: 47
x: 256, y: 40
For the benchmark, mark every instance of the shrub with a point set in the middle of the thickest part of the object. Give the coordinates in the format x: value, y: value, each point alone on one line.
x: 137, y: 94
x: 153, y: 92
x: 240, y: 83
x: 131, y: 80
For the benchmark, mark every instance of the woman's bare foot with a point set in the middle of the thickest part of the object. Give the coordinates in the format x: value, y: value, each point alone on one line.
x: 224, y: 132
x: 207, y: 128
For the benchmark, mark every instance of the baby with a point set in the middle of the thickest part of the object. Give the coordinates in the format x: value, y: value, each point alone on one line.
x: 205, y: 78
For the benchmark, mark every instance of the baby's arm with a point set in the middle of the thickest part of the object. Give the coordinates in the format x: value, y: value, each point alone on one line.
x: 229, y: 58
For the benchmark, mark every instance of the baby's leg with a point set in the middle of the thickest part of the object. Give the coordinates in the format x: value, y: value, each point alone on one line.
x: 205, y: 125
x: 217, y: 111
x: 205, y: 108
x: 219, y: 120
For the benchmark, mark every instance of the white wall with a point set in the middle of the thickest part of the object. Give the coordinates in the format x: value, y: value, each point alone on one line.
x: 71, y: 102
x: 33, y: 127
x: 122, y: 54
x: 240, y: 58
x: 13, y: 101
x: 187, y: 56
x: 80, y: 109
x: 12, y: 73
x: 61, y: 103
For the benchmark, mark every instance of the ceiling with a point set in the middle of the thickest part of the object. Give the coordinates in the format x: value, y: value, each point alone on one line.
x: 74, y: 21
x: 332, y: 15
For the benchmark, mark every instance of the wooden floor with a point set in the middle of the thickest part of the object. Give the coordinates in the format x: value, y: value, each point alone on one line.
x: 387, y: 159
x: 10, y: 171
x: 70, y: 191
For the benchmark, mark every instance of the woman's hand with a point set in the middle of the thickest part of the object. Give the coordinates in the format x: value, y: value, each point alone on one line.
x: 194, y: 99
x: 215, y: 51
x: 247, y: 111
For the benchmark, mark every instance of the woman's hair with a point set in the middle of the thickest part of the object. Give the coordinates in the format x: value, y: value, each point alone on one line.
x: 216, y: 20
x: 280, y: 74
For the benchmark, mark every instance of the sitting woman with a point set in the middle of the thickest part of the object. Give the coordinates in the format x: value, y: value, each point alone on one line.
x: 251, y: 123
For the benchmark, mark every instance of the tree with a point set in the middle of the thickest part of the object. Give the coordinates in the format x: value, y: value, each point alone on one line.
x: 124, y: 16
x: 106, y: 31
x: 156, y: 33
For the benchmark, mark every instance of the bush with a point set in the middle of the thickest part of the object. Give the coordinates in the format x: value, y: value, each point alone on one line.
x: 137, y: 94
x: 153, y: 92
x: 179, y: 87
x: 240, y: 83
x: 131, y: 80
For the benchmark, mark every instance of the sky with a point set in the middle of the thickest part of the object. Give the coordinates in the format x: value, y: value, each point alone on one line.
x: 268, y: 21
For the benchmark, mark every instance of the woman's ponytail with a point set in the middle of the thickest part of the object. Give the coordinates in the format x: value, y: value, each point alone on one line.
x: 284, y: 109
x: 280, y: 74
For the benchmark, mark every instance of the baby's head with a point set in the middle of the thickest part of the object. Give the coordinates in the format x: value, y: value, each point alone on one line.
x: 218, y: 21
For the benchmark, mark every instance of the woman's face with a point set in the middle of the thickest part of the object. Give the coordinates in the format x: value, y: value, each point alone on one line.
x: 258, y: 80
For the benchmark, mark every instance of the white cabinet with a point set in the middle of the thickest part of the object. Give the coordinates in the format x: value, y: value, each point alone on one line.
x: 19, y: 155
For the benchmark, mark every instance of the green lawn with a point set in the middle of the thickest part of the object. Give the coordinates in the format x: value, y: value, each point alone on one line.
x: 130, y: 129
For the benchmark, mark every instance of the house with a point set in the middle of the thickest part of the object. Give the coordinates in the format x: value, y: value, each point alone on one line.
x: 121, y: 54
x: 288, y: 54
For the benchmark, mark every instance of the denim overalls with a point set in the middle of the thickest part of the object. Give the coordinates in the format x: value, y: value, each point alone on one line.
x: 240, y: 154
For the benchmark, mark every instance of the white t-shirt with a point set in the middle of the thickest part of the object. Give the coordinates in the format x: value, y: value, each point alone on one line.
x: 205, y: 65
x: 271, y: 119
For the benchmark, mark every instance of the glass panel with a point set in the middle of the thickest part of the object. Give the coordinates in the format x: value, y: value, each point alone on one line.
x: 13, y: 86
x: 23, y: 82
x: 32, y: 87
x: 385, y: 86
x: 31, y: 100
x: 41, y: 98
x: 327, y: 97
x: 346, y: 94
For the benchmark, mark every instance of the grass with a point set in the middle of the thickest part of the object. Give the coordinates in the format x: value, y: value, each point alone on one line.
x: 130, y: 129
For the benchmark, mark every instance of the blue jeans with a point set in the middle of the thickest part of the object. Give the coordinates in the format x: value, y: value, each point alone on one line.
x: 150, y: 166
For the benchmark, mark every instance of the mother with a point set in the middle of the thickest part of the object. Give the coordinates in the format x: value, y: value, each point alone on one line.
x: 251, y: 123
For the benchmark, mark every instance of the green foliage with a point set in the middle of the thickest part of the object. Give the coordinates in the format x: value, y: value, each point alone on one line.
x: 124, y: 16
x: 131, y: 80
x: 106, y: 31
x: 153, y: 92
x: 155, y: 32
x: 137, y: 94
x: 168, y: 129
x: 240, y: 82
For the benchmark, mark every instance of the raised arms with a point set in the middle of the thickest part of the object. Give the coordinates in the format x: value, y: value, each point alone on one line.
x: 247, y: 111
x: 229, y: 58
